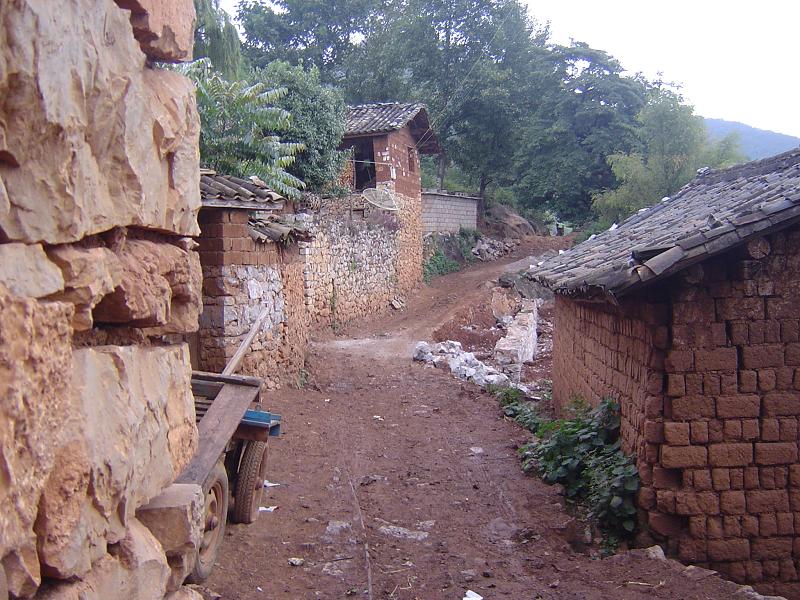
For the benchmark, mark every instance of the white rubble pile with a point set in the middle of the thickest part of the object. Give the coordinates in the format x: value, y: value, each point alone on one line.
x: 520, y: 342
x: 462, y: 364
x: 487, y: 249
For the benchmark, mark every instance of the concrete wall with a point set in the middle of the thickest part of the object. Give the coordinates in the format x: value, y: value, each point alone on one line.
x: 719, y: 457
x: 447, y: 212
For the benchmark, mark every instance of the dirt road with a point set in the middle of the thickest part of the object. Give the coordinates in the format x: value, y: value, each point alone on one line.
x: 399, y: 482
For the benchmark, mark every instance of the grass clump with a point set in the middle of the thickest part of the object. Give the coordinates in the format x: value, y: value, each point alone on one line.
x: 438, y: 264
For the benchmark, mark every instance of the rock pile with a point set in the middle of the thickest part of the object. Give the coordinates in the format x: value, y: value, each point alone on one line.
x: 519, y: 345
x: 463, y: 365
x: 487, y: 249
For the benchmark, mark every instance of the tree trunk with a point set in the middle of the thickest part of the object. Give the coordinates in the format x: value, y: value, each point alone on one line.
x: 442, y: 171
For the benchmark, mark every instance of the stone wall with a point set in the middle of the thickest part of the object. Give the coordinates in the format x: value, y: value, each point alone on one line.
x: 98, y: 188
x: 721, y: 476
x: 442, y: 212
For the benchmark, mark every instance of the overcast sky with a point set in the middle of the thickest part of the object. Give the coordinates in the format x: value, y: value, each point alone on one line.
x: 735, y: 60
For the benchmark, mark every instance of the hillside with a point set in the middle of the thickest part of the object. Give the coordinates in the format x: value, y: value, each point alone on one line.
x: 755, y: 143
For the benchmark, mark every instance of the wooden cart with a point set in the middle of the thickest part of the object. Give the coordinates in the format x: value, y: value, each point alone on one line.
x: 231, y: 456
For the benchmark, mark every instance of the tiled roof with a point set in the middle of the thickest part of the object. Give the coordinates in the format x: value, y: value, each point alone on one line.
x: 226, y: 191
x: 367, y: 119
x: 385, y: 117
x: 285, y: 230
x: 715, y: 212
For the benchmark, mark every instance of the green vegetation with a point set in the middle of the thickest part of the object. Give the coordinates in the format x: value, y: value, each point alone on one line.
x: 582, y: 453
x: 438, y: 264
x: 216, y: 38
x: 240, y: 129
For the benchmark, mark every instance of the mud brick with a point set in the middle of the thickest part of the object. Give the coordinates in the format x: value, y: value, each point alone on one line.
x: 770, y: 430
x: 751, y: 309
x: 654, y: 431
x: 794, y: 476
x: 790, y: 330
x: 767, y: 501
x: 765, y: 355
x: 749, y: 429
x: 756, y: 332
x: 750, y: 288
x: 796, y: 380
x: 679, y: 361
x: 788, y: 573
x: 776, y: 453
x: 714, y: 529
x: 767, y: 525
x: 721, y: 479
x: 785, y: 378
x: 660, y: 337
x: 766, y: 478
x: 732, y: 502
x: 781, y: 477
x: 718, y: 359
x: 651, y: 453
x: 715, y: 433
x: 655, y: 383
x: 772, y: 331
x: 675, y: 457
x: 772, y: 569
x: 737, y: 571
x: 796, y: 542
x: 696, y: 503
x: 785, y: 523
x: 766, y: 380
x: 697, y: 527
x: 792, y: 356
x: 653, y: 406
x: 702, y: 480
x: 726, y: 550
x: 750, y: 525
x: 752, y: 480
x: 699, y: 432
x: 729, y: 384
x: 711, y: 384
x: 676, y: 434
x: 692, y: 550
x: 730, y: 455
x: 732, y: 430
x: 694, y: 384
x: 781, y: 404
x: 646, y: 475
x: 794, y: 498
x: 688, y: 479
x: 719, y: 334
x: 732, y: 526
x: 748, y: 381
x: 654, y: 313
x: 700, y: 310
x: 666, y: 478
x: 665, y: 501
x: 666, y: 525
x: 782, y: 307
x: 646, y: 498
x: 676, y: 385
x: 772, y: 548
x: 741, y: 405
x: 739, y: 333
x: 690, y: 408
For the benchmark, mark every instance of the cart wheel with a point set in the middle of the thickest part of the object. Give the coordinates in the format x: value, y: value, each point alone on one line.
x: 250, y: 482
x: 216, y: 510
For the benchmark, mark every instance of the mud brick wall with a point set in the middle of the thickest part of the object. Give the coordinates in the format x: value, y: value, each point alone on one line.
x: 448, y: 213
x: 600, y: 351
x: 241, y: 279
x: 721, y: 475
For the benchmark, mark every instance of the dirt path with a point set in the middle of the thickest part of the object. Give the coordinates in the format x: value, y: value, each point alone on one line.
x: 399, y: 482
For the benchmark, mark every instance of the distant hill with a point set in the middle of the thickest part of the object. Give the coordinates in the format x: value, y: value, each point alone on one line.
x: 755, y: 143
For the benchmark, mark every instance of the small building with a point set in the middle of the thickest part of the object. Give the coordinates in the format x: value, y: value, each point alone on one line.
x: 446, y: 212
x: 688, y: 313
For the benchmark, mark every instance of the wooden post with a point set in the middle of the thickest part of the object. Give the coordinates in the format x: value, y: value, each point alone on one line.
x: 236, y: 360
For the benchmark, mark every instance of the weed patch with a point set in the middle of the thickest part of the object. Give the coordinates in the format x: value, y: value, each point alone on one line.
x: 438, y: 264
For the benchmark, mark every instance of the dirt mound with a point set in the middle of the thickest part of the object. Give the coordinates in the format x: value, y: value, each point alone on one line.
x: 505, y: 223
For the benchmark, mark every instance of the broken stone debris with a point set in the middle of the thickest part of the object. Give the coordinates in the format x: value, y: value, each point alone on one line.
x: 462, y: 364
x: 487, y: 249
x: 519, y: 345
x: 402, y: 533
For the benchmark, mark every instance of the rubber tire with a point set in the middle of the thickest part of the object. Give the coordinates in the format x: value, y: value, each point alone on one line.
x: 205, y: 559
x: 250, y: 482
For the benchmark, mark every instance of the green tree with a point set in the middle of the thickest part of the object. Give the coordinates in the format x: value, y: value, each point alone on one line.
x: 216, y: 38
x: 318, y: 121
x: 241, y: 127
x: 587, y: 113
x: 674, y: 145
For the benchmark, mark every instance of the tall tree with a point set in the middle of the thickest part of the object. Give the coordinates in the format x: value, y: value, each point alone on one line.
x: 216, y: 38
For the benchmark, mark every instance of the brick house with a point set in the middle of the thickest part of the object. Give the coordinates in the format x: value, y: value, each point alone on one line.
x: 689, y: 314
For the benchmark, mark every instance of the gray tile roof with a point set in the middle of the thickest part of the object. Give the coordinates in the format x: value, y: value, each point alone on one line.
x: 385, y: 117
x: 226, y: 191
x: 715, y: 212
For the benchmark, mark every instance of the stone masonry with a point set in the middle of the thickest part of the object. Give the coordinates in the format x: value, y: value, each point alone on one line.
x: 99, y: 166
x: 707, y: 369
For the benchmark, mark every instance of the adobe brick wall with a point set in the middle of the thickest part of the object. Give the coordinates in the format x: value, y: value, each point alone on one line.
x: 721, y: 475
x: 448, y: 213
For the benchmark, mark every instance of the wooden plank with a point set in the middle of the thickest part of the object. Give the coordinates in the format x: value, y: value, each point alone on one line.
x: 236, y: 361
x: 208, y: 389
x: 216, y: 429
x: 234, y: 379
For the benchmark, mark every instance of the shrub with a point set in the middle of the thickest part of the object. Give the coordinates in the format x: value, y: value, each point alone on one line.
x: 438, y: 264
